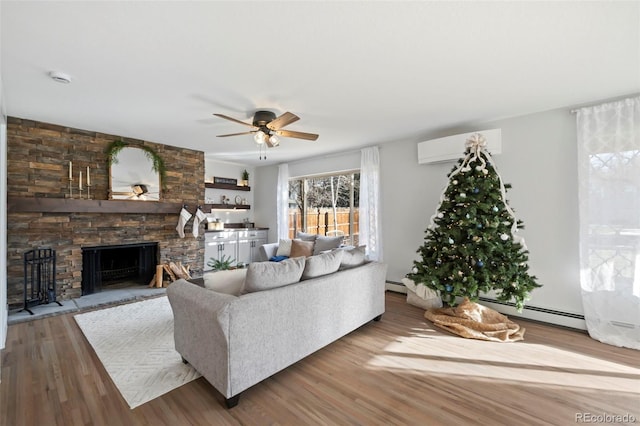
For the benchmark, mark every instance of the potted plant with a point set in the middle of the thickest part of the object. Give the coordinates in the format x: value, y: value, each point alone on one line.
x: 245, y: 178
x: 222, y: 264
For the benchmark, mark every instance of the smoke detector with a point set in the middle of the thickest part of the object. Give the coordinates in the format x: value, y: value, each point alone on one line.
x: 60, y: 77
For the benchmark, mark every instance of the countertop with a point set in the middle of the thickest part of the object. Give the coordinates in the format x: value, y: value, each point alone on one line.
x: 237, y: 229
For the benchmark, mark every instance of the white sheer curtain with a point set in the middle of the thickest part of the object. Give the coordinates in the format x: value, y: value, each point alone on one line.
x: 369, y: 210
x: 609, y: 198
x: 282, y: 201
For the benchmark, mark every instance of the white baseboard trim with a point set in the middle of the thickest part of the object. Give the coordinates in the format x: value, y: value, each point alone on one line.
x: 395, y: 287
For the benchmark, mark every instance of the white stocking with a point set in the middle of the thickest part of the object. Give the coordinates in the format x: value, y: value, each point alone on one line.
x: 182, y: 221
x: 199, y: 217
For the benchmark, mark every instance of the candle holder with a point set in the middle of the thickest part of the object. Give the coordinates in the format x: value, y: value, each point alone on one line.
x: 70, y: 188
x: 80, y: 192
x: 88, y: 191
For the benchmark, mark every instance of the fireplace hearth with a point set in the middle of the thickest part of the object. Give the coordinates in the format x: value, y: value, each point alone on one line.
x: 104, y: 266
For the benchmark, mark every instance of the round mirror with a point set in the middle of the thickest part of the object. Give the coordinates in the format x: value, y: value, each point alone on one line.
x: 132, y: 176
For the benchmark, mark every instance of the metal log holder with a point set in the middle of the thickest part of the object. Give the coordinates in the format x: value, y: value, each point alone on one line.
x: 39, y: 278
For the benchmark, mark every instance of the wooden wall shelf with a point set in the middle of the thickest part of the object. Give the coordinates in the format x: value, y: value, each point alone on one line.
x: 70, y: 205
x: 227, y: 206
x: 226, y: 186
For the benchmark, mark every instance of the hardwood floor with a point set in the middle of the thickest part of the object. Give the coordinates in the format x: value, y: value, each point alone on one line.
x: 401, y: 370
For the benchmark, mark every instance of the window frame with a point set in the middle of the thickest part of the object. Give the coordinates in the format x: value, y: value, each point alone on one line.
x: 351, y: 237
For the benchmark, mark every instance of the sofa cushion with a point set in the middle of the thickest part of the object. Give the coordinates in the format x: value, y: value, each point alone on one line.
x: 268, y: 275
x: 322, y: 264
x: 353, y: 257
x: 326, y: 243
x: 284, y: 247
x: 301, y: 248
x: 228, y: 282
x: 305, y: 236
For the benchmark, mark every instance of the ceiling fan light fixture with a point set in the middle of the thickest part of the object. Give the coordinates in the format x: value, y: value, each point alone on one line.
x: 260, y: 137
x: 267, y: 128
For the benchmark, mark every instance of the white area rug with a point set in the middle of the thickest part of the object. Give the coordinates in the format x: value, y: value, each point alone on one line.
x: 135, y: 344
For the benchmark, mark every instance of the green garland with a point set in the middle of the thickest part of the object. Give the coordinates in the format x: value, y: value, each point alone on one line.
x: 158, y: 165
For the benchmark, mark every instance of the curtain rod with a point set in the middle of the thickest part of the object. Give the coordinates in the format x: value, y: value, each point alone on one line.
x: 328, y: 155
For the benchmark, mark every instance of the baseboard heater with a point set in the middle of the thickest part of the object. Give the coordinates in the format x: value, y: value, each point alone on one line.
x: 535, y: 308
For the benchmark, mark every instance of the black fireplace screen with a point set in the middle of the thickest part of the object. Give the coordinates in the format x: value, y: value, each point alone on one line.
x: 106, y: 265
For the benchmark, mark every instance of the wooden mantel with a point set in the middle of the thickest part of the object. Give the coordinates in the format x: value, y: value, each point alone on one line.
x: 70, y: 205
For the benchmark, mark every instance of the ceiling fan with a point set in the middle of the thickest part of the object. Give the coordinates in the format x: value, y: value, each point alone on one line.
x: 266, y: 128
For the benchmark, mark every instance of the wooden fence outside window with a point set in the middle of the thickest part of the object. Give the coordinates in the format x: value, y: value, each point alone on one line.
x: 322, y: 222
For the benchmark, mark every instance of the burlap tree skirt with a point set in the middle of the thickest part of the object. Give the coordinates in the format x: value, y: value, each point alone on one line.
x: 475, y: 321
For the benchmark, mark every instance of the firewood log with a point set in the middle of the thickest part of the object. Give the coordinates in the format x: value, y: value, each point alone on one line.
x: 185, y: 271
x: 169, y: 272
x: 176, y: 270
x: 159, y: 275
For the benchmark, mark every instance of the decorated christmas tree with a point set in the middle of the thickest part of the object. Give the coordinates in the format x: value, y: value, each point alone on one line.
x: 471, y: 245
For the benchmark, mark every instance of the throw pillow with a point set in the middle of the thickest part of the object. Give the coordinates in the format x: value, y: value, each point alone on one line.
x: 301, y: 248
x: 268, y: 275
x: 278, y: 258
x: 322, y: 264
x: 306, y: 237
x: 353, y: 257
x: 284, y: 248
x: 228, y: 282
x: 326, y: 243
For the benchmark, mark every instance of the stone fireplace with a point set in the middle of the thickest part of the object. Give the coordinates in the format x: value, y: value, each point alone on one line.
x: 40, y: 213
x: 104, y: 266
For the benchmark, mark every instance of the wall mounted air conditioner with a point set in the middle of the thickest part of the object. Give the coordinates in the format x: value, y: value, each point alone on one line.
x: 451, y: 148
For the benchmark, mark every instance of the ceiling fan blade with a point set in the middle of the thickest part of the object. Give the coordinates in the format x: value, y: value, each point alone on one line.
x: 226, y: 117
x: 236, y: 134
x: 284, y: 120
x: 298, y: 135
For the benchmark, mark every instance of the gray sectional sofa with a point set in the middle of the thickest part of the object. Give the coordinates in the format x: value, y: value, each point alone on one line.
x: 236, y: 341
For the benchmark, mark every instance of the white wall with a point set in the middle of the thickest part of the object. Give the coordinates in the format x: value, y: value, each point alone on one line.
x: 538, y: 158
x: 265, y: 195
x: 3, y: 221
x: 234, y: 171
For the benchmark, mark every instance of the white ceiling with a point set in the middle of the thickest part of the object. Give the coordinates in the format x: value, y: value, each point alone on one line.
x: 357, y: 73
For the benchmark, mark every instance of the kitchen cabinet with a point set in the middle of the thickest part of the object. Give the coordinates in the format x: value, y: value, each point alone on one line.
x: 219, y: 245
x: 249, y: 242
x: 241, y: 245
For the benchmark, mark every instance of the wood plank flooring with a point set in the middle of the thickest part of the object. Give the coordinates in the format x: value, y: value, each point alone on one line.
x: 399, y: 371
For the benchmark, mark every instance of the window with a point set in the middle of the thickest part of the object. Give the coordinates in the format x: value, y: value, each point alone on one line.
x: 609, y: 199
x: 325, y: 205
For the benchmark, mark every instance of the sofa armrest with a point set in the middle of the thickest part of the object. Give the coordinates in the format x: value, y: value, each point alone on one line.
x: 267, y: 251
x: 201, y: 330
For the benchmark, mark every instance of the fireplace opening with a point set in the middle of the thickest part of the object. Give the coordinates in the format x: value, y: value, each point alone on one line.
x: 117, y: 266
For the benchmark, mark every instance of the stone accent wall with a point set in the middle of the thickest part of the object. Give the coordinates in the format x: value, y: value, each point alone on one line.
x: 38, y: 157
